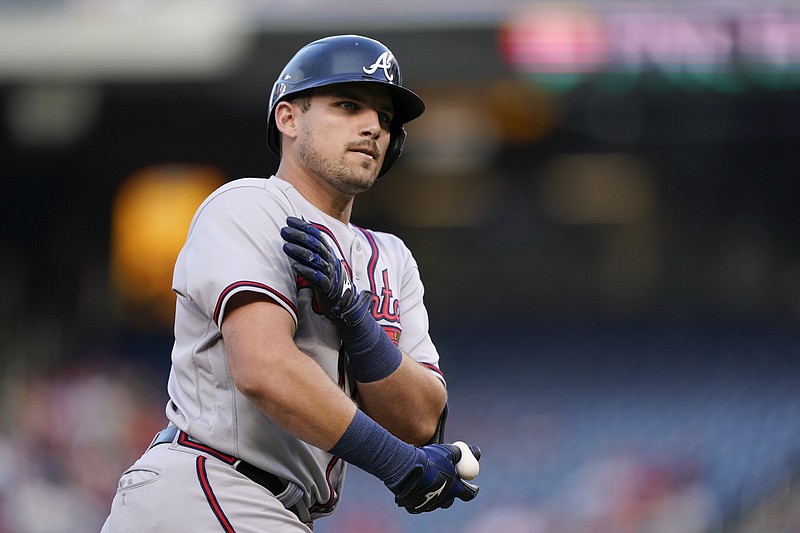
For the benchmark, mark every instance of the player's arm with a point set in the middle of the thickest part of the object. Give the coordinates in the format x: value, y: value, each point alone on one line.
x: 416, y: 342
x: 409, y: 402
x: 293, y: 391
x: 282, y: 381
x: 403, y: 396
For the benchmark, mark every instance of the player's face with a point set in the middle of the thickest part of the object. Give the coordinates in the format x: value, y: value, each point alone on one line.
x: 344, y: 134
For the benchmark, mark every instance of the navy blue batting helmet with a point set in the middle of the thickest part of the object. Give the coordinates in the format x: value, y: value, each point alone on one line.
x: 346, y: 59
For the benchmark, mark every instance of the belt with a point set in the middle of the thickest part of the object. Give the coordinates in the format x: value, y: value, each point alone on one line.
x: 268, y: 480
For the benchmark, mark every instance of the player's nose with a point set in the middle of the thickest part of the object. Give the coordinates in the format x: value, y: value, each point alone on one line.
x: 371, y: 125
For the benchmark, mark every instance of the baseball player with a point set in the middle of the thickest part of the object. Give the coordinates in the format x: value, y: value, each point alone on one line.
x: 301, y: 340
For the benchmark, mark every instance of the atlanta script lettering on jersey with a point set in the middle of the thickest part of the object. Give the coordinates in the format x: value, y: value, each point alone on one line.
x: 384, y: 305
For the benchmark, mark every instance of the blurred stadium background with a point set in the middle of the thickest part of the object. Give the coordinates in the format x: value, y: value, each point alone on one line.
x: 601, y: 196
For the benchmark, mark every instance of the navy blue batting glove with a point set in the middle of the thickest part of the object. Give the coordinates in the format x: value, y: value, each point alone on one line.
x: 433, y: 482
x: 316, y: 262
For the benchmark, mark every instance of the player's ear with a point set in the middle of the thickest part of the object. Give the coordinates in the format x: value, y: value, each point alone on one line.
x: 286, y: 114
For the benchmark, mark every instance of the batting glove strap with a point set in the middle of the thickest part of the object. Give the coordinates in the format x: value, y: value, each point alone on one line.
x: 353, y: 316
x: 432, y: 482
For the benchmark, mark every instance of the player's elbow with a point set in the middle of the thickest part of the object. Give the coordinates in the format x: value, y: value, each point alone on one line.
x: 421, y: 433
x: 251, y: 388
x: 417, y: 430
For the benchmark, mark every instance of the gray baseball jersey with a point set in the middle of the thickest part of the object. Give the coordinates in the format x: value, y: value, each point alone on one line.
x: 234, y: 245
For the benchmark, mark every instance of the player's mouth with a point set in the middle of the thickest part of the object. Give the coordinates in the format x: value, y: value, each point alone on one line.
x: 368, y: 150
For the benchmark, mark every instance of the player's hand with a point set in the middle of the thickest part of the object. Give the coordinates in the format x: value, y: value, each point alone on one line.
x: 316, y: 262
x: 433, y: 481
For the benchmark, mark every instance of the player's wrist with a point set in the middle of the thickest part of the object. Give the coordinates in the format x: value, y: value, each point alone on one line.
x: 372, y: 448
x: 354, y: 314
x: 372, y: 354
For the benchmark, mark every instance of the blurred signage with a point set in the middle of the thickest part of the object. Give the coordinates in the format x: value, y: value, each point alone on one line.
x: 686, y: 46
x: 120, y: 40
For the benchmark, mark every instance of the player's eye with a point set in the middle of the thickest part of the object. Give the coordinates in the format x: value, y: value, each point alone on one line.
x: 347, y: 104
x: 350, y: 105
x: 385, y: 118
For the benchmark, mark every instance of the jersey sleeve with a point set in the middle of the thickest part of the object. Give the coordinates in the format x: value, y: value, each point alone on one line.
x: 415, y: 339
x: 234, y: 245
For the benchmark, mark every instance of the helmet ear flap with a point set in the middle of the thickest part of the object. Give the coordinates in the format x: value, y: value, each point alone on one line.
x: 396, y: 143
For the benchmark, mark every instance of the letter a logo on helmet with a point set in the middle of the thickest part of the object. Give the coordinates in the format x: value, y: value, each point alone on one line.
x: 384, y: 61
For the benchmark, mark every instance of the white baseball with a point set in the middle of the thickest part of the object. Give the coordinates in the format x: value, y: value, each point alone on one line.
x: 468, y: 467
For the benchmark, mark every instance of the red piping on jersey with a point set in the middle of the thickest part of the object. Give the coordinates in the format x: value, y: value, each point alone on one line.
x: 373, y: 261
x: 328, y: 504
x: 239, y: 284
x: 330, y: 234
x: 183, y: 440
x: 380, y: 302
x: 205, y: 485
x: 434, y: 368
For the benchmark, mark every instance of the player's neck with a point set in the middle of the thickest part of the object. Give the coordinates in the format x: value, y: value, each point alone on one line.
x: 321, y: 195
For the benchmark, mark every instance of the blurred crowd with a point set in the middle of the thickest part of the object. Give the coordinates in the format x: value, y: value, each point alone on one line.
x: 65, y: 438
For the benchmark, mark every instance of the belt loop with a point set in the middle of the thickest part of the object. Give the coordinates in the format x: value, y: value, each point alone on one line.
x: 303, y: 514
x: 164, y: 436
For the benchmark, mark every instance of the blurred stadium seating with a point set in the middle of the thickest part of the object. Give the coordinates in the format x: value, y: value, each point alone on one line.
x: 590, y: 428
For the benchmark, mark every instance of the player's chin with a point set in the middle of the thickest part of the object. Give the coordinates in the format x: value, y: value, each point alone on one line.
x: 366, y: 173
x: 355, y: 182
x: 361, y: 185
